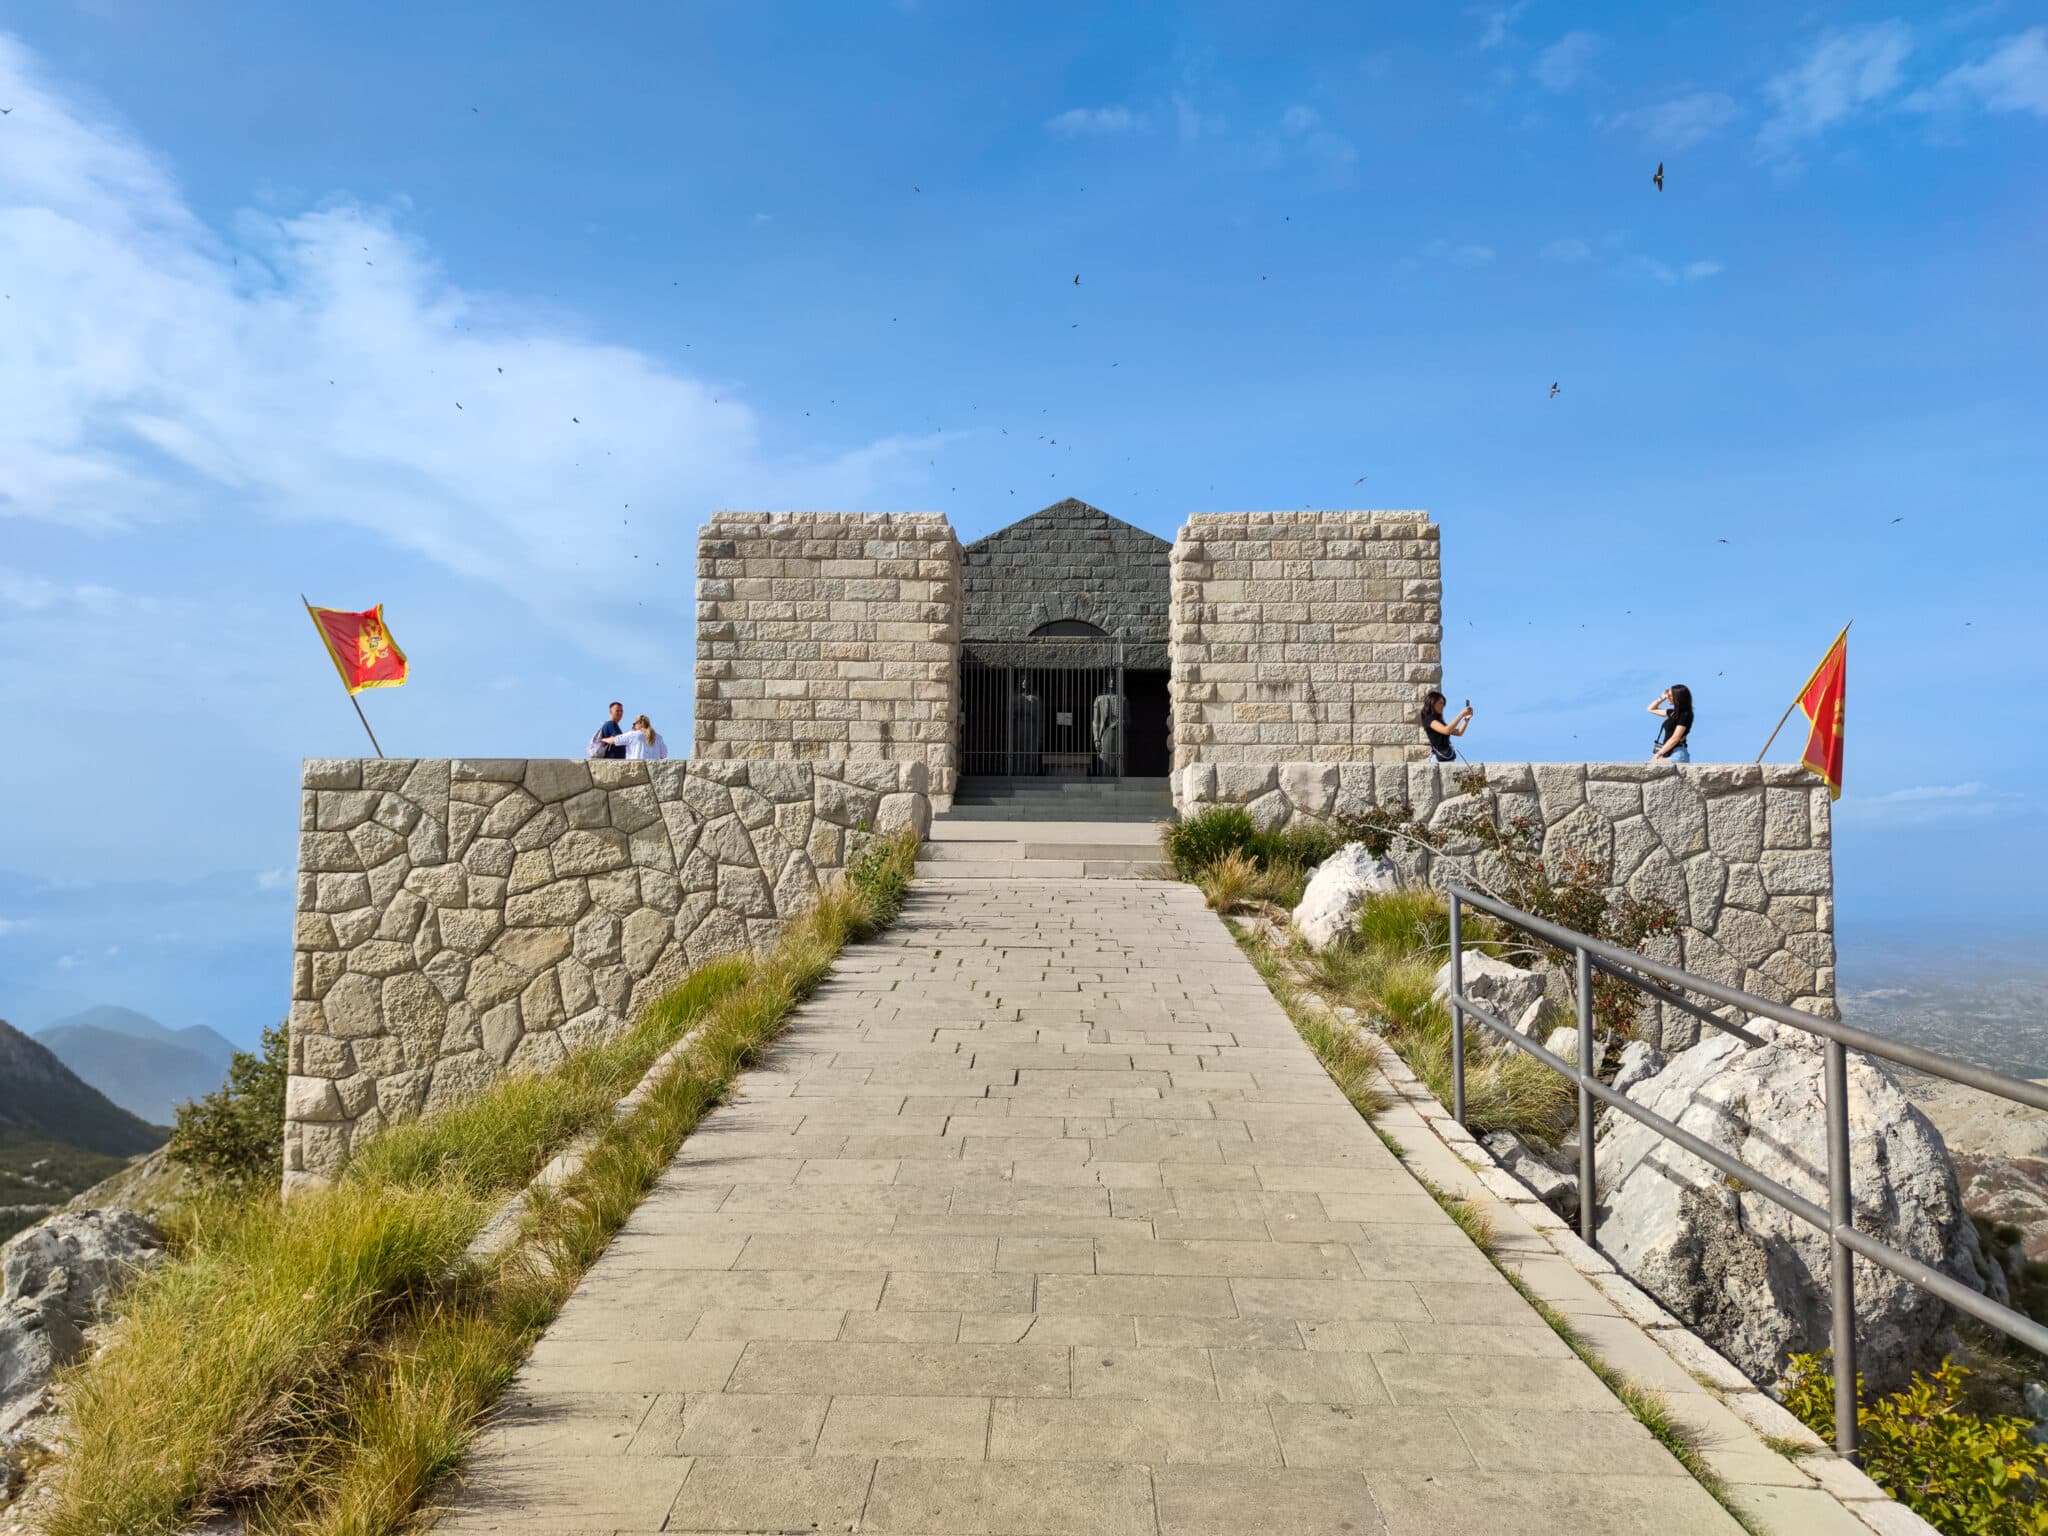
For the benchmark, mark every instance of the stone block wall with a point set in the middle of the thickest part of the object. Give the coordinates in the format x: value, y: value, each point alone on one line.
x: 1304, y: 635
x: 458, y: 920
x: 1745, y: 853
x: 829, y: 635
x: 1067, y: 561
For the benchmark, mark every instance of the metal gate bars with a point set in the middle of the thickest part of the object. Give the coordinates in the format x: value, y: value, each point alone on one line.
x: 1049, y: 707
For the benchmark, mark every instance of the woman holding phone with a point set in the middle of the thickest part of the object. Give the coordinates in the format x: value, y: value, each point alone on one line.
x: 1436, y: 732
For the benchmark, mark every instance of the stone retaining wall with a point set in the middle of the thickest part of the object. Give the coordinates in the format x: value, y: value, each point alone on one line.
x: 1743, y: 852
x: 829, y: 634
x: 1309, y: 635
x: 458, y: 920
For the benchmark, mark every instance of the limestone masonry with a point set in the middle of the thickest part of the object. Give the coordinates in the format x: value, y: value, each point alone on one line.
x: 1304, y: 635
x: 1743, y: 852
x: 830, y: 635
x: 458, y: 920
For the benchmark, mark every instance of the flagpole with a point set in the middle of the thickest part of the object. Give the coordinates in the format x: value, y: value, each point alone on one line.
x: 1802, y: 692
x: 345, y: 688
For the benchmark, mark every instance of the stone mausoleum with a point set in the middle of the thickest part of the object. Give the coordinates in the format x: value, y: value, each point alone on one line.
x: 1068, y: 645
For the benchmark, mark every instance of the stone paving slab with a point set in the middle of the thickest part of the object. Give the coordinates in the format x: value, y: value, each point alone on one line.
x: 1040, y: 1218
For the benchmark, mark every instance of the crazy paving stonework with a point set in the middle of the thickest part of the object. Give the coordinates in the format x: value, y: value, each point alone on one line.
x: 458, y: 920
x: 1744, y: 853
x: 1309, y: 635
x: 829, y: 634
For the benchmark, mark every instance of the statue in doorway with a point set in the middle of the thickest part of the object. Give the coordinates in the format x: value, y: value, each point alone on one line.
x: 1106, y: 729
x: 1026, y: 724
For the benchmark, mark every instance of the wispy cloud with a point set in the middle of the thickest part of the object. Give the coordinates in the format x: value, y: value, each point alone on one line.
x: 1569, y: 252
x: 1094, y: 122
x: 323, y: 366
x: 1679, y: 122
x: 1565, y: 62
x: 272, y: 879
x: 1496, y: 23
x: 1845, y: 71
x: 1333, y: 151
x: 1927, y: 802
x: 1468, y: 254
x: 15, y: 925
x: 2013, y: 78
x: 1666, y: 273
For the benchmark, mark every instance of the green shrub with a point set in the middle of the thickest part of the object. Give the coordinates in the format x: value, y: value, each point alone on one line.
x: 234, y: 1137
x: 1195, y: 842
x: 1963, y: 1474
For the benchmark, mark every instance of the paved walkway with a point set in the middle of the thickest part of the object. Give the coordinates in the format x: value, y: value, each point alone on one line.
x: 1041, y: 1219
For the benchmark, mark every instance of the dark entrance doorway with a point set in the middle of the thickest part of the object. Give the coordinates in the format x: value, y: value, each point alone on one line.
x: 1060, y: 706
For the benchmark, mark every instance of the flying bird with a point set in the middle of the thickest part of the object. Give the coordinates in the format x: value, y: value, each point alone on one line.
x: 577, y: 419
x: 1553, y: 391
x: 1659, y: 177
x: 1720, y: 541
x: 1077, y: 279
x: 6, y: 111
x: 1359, y: 481
x: 458, y: 405
x: 1898, y: 519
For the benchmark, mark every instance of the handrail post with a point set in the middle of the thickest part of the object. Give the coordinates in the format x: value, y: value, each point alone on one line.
x: 1584, y: 978
x: 1843, y: 1275
x: 1457, y: 1014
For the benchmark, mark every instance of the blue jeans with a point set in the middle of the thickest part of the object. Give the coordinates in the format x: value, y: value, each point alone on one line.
x: 1679, y: 754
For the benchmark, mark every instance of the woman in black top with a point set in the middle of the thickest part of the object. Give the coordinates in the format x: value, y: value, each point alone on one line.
x: 1439, y: 735
x: 1674, y: 740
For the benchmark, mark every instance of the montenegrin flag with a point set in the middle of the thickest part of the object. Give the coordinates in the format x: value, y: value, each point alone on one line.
x: 1821, y: 701
x: 364, y: 653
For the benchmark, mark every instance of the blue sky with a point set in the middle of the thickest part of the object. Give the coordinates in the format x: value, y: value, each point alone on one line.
x: 822, y: 256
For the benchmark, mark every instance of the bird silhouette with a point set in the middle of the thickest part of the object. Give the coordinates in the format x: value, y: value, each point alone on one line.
x: 501, y: 370
x: 1553, y: 391
x: 1359, y: 481
x: 1077, y: 279
x: 577, y: 419
x: 6, y: 111
x: 1659, y: 177
x: 458, y: 405
x: 1721, y: 541
x: 1898, y: 519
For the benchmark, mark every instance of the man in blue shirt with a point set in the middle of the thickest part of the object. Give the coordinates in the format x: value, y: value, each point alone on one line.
x: 602, y: 744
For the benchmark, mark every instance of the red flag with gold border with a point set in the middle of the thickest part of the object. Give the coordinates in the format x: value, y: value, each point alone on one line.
x: 1822, y: 700
x: 364, y: 653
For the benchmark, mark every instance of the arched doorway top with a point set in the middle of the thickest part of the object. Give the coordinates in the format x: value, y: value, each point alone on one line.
x: 1070, y: 627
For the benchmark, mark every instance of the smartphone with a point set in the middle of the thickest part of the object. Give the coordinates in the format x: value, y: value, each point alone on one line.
x: 1468, y: 703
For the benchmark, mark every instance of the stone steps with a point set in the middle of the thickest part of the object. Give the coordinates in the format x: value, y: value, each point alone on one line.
x: 989, y: 850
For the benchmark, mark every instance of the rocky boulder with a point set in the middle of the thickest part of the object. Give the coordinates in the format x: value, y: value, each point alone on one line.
x: 1749, y: 1276
x: 55, y: 1281
x: 1640, y: 1061
x: 1508, y: 992
x: 1336, y: 891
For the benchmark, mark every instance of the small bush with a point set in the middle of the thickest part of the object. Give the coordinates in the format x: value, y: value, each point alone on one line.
x: 234, y: 1137
x: 1963, y: 1474
x: 1195, y: 842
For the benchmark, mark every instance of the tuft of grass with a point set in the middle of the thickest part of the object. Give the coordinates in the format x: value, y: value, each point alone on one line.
x: 1226, y: 882
x: 316, y: 1365
x: 1471, y: 1217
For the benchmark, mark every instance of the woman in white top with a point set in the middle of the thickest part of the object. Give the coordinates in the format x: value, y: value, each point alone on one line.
x: 643, y: 740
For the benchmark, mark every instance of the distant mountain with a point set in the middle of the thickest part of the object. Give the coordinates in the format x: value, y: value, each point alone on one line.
x: 126, y: 1021
x: 141, y: 1065
x: 42, y: 1100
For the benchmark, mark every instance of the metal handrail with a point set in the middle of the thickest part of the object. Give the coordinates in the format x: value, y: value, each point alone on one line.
x: 1837, y: 1218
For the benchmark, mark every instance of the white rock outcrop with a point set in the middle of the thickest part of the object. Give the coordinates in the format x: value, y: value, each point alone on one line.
x: 1640, y: 1061
x: 1337, y: 890
x: 1749, y: 1276
x: 1508, y: 992
x: 55, y: 1282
